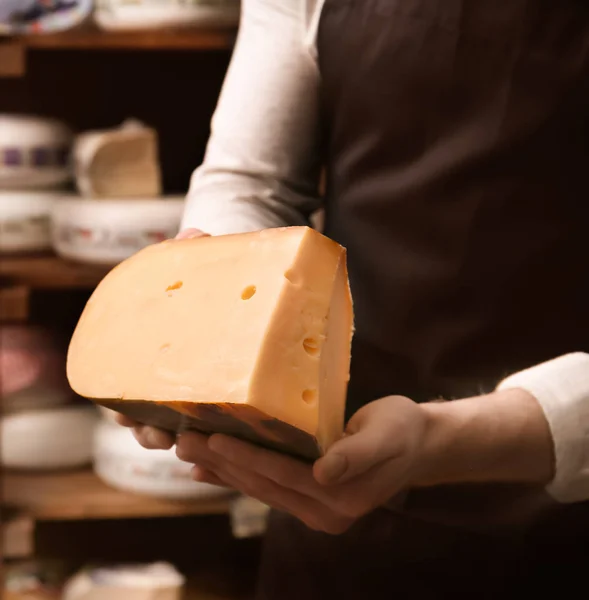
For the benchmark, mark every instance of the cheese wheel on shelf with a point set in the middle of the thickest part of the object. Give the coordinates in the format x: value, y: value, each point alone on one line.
x: 244, y: 334
x: 34, y: 152
x: 122, y: 463
x: 119, y: 15
x: 56, y: 438
x: 108, y: 231
x: 156, y: 581
x: 25, y: 221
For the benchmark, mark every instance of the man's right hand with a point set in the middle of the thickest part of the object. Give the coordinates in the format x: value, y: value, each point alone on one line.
x: 151, y: 437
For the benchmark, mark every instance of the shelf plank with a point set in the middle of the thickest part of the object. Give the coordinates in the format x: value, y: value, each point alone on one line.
x: 77, y: 495
x: 94, y: 39
x: 49, y: 272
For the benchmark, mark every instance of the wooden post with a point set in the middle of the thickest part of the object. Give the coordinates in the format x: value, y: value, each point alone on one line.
x: 12, y: 59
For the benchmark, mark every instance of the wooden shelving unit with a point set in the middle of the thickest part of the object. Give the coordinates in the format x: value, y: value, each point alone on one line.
x: 94, y: 39
x: 81, y: 495
x: 49, y: 273
x: 93, y: 79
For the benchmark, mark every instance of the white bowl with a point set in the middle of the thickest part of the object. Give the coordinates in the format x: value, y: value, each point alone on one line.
x: 25, y: 221
x: 154, y: 14
x: 107, y: 232
x: 55, y: 438
x: 122, y: 463
x: 34, y: 152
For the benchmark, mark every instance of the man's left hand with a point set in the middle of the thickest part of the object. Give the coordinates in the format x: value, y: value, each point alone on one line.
x: 377, y: 458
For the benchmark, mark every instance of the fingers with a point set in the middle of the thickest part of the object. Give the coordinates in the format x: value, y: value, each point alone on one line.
x: 149, y: 437
x: 373, y: 437
x: 203, y: 475
x: 125, y: 421
x: 193, y: 448
x: 310, y: 511
x: 152, y: 438
x: 278, y: 481
x: 187, y: 234
x: 286, y: 471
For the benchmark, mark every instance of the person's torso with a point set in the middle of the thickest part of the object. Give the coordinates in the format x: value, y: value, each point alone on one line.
x: 457, y: 145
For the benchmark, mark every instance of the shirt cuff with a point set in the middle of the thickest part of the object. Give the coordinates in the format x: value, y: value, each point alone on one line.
x: 561, y: 387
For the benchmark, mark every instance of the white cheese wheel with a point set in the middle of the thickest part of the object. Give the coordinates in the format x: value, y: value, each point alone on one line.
x: 25, y: 221
x: 121, y: 462
x: 57, y: 438
x: 154, y: 14
x: 107, y: 231
x: 156, y: 581
x: 34, y: 152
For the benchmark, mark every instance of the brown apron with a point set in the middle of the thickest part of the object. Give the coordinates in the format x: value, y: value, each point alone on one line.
x: 457, y: 146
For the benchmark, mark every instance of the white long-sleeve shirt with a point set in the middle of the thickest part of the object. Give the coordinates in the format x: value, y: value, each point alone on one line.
x: 261, y: 170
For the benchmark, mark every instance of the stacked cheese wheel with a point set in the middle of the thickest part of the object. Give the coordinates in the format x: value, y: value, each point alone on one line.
x: 34, y: 165
x: 156, y: 581
x: 120, y: 208
x: 41, y: 424
x: 121, y: 15
x: 123, y: 464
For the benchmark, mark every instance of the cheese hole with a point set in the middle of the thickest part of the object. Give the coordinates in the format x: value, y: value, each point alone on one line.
x: 248, y: 292
x: 174, y: 286
x: 309, y: 396
x: 311, y: 346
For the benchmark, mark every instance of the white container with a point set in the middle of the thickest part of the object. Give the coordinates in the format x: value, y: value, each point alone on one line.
x: 34, y: 152
x: 25, y: 221
x: 156, y: 14
x: 36, y: 17
x: 56, y: 438
x: 106, y: 232
x: 157, y: 581
x: 121, y: 462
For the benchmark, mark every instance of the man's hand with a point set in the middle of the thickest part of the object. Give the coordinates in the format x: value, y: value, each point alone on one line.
x: 378, y: 456
x: 391, y: 445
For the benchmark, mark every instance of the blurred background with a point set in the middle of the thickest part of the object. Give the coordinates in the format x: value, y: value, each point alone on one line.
x: 105, y: 108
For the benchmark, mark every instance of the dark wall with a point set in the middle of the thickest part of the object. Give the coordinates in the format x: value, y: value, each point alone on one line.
x: 174, y: 91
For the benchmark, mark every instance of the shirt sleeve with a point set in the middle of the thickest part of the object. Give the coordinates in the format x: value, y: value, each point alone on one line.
x: 561, y: 386
x: 262, y: 164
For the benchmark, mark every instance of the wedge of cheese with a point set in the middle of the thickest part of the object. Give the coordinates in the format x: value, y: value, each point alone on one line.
x: 246, y: 334
x: 122, y: 162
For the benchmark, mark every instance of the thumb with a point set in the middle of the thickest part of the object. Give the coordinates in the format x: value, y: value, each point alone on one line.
x: 187, y: 234
x: 365, y: 445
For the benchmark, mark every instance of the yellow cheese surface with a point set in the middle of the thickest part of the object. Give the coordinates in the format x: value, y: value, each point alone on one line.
x: 244, y: 334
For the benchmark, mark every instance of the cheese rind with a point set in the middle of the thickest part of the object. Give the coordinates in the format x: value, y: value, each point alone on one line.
x: 243, y: 334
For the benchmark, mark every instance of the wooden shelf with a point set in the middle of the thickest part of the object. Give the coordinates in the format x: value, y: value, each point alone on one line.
x: 49, y: 272
x: 80, y: 495
x: 94, y: 39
